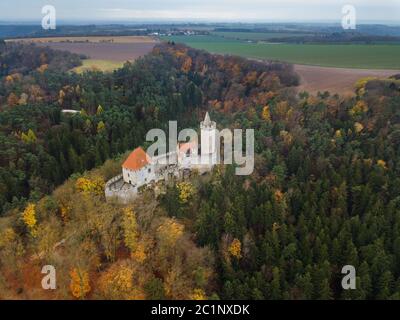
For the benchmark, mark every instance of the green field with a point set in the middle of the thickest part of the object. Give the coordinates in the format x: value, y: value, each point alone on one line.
x: 257, y: 36
x: 331, y: 55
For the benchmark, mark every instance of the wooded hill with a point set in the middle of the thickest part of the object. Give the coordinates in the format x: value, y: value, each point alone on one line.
x: 325, y: 192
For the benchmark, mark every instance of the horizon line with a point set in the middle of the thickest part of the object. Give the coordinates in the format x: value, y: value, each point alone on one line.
x: 66, y: 22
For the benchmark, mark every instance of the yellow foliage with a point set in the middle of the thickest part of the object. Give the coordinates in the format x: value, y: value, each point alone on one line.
x: 139, y: 254
x: 312, y: 101
x: 198, y: 294
x: 170, y: 231
x: 117, y: 282
x: 282, y: 108
x: 9, y: 79
x: 338, y: 133
x: 94, y: 185
x: 23, y: 100
x: 361, y: 83
x: 169, y: 283
x: 29, y: 137
x: 266, y: 114
x: 99, y: 110
x: 7, y: 237
x: 61, y: 96
x: 64, y: 212
x: 29, y: 217
x: 368, y: 162
x: 358, y: 127
x: 382, y: 164
x: 287, y: 137
x: 359, y: 108
x: 129, y: 225
x: 13, y: 77
x: 186, y: 191
x: 79, y: 284
x: 101, y: 127
x: 275, y: 227
x: 235, y: 249
x: 43, y: 68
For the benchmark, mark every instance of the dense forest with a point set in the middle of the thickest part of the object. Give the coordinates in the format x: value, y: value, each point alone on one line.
x: 325, y: 192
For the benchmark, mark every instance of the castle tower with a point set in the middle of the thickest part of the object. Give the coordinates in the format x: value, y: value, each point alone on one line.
x: 209, y: 154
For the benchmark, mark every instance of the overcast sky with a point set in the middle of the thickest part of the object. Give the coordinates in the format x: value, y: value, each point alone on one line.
x: 201, y: 10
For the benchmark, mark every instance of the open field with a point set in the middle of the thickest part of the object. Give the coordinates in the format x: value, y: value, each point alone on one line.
x: 100, y: 65
x: 335, y: 80
x: 94, y: 39
x: 330, y: 55
x: 105, y: 50
x: 104, y: 53
x: 258, y: 36
x: 334, y: 68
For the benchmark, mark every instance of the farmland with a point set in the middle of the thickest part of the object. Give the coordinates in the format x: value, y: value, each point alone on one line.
x: 327, y: 55
x: 257, y: 36
x: 98, y: 65
x: 104, y: 50
x: 104, y: 53
x: 334, y: 80
x: 92, y: 39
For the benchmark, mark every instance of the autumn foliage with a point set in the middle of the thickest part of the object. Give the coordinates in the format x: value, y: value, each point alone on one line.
x: 79, y: 285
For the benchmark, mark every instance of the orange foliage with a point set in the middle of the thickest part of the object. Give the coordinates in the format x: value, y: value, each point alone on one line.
x: 12, y: 100
x: 79, y: 284
x: 187, y: 65
x: 278, y: 195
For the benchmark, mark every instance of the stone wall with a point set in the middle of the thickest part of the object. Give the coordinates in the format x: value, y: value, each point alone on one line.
x: 117, y: 189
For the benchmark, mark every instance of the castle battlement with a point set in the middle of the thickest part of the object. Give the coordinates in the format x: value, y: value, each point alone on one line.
x: 140, y: 169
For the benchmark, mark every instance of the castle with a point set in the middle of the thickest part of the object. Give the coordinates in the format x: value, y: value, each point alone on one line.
x: 140, y: 170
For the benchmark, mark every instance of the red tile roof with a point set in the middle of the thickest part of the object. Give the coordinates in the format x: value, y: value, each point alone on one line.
x: 136, y: 160
x: 188, y: 146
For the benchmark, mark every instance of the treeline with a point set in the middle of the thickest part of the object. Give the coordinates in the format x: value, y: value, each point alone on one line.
x: 23, y: 58
x: 27, y: 72
x: 337, y: 38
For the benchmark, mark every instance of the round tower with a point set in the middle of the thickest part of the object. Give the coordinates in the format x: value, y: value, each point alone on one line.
x: 208, y: 141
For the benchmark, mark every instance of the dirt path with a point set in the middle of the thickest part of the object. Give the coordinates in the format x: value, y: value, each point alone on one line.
x: 335, y: 80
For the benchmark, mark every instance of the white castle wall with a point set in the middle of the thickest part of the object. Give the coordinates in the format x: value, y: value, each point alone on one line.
x: 125, y: 187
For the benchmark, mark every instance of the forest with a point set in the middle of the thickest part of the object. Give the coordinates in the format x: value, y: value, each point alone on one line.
x: 325, y: 192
